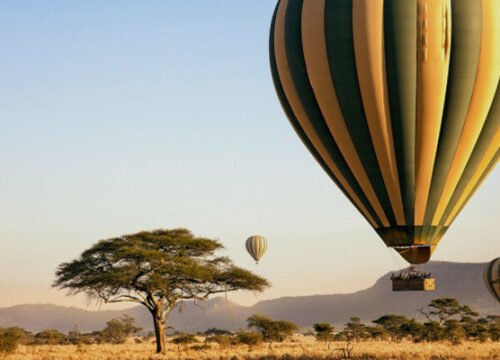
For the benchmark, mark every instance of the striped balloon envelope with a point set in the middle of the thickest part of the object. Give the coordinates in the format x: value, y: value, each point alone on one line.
x: 398, y: 101
x: 256, y: 246
x: 492, y: 278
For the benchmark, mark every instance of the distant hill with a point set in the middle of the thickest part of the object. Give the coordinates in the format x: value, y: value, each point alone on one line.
x: 462, y: 281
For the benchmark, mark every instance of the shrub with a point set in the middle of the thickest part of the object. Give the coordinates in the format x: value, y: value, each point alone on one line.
x: 50, y: 337
x: 453, y: 331
x: 323, y: 332
x: 377, y: 332
x: 355, y: 330
x: 9, y: 340
x: 201, y: 347
x: 397, y: 326
x: 184, y: 339
x: 222, y: 340
x: 117, y: 330
x: 250, y: 338
x: 272, y: 330
x: 215, y: 331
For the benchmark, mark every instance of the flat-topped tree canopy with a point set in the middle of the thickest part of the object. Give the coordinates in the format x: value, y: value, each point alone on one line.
x: 157, y: 269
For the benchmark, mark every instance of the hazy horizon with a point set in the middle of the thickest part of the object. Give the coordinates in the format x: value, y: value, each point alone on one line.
x: 120, y: 117
x: 78, y: 301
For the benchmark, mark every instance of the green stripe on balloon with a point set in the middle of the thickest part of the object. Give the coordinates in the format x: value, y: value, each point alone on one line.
x: 488, y: 132
x: 465, y: 49
x: 298, y: 71
x: 340, y: 49
x: 400, y: 36
x: 298, y: 129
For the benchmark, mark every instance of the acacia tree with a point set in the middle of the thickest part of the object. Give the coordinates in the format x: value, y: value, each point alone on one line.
x: 394, y: 325
x: 272, y: 330
x: 323, y: 332
x: 355, y: 329
x: 158, y: 269
x: 117, y: 331
x: 445, y: 308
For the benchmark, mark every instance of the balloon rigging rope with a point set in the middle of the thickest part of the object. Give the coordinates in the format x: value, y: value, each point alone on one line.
x: 397, y: 260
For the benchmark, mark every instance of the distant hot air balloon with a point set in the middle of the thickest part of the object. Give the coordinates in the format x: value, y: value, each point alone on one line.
x: 492, y: 278
x: 256, y: 246
x: 398, y: 101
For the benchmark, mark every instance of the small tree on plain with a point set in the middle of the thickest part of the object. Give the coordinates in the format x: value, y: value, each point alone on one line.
x: 444, y: 308
x: 413, y: 329
x: 493, y: 327
x: 215, y: 331
x: 323, y: 332
x: 355, y: 329
x: 117, y: 330
x: 157, y: 269
x: 9, y: 340
x: 377, y: 332
x: 453, y: 331
x: 250, y: 338
x: 222, y: 340
x: 432, y: 331
x: 475, y: 329
x: 184, y: 339
x: 50, y: 337
x: 393, y: 324
x: 272, y: 330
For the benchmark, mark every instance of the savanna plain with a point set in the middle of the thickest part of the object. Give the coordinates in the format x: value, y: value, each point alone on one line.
x: 299, y: 347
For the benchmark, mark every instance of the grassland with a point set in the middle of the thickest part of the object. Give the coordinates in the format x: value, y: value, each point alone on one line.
x: 303, y: 348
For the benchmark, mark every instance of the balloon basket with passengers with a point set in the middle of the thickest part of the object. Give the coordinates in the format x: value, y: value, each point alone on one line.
x: 413, y: 279
x: 399, y: 103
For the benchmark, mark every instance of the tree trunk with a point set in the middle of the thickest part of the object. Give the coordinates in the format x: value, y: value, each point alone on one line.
x: 159, y: 330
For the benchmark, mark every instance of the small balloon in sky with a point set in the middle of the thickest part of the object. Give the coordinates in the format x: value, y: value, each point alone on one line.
x: 256, y: 246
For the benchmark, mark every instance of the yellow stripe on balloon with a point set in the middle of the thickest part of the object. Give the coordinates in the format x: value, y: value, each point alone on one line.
x: 491, y: 152
x: 300, y: 114
x: 433, y: 60
x: 487, y: 78
x: 318, y: 70
x: 368, y: 26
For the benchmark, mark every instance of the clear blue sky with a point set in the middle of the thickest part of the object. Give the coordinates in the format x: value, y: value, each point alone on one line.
x: 122, y: 116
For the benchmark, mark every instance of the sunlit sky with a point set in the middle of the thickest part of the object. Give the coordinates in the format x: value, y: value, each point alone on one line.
x: 122, y: 116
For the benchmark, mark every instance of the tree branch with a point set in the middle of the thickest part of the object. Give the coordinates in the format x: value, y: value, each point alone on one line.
x: 128, y: 298
x: 166, y: 310
x: 427, y: 316
x: 143, y: 298
x: 123, y: 300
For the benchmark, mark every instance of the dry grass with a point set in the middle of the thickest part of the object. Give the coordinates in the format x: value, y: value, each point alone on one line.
x: 303, y: 348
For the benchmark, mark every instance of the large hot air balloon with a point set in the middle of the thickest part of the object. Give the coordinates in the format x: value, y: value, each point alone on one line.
x: 492, y: 278
x: 256, y: 246
x: 398, y: 101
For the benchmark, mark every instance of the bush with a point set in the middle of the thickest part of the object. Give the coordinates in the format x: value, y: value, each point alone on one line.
x: 454, y: 332
x: 222, y: 340
x: 398, y: 326
x: 50, y: 337
x: 272, y: 330
x: 9, y: 340
x: 215, y: 331
x: 201, y: 347
x: 250, y: 338
x: 117, y: 330
x: 355, y: 330
x: 184, y: 339
x: 493, y: 327
x: 377, y: 332
x: 323, y: 332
